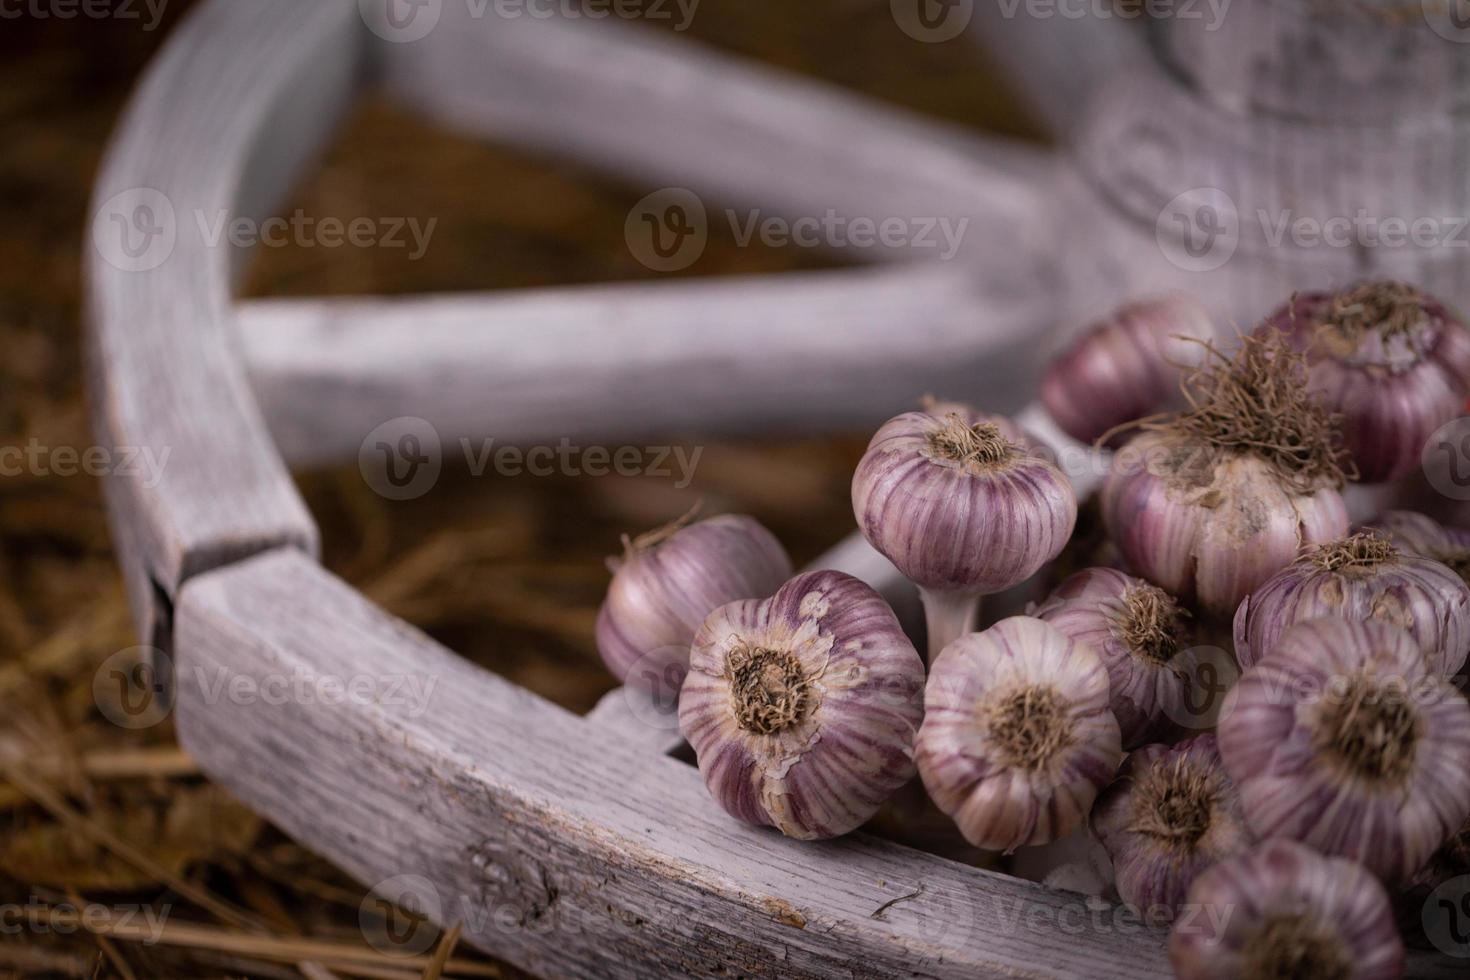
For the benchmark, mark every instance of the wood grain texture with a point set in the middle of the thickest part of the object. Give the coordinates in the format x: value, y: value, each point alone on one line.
x: 794, y: 353
x: 566, y: 852
x: 664, y: 110
x: 236, y: 103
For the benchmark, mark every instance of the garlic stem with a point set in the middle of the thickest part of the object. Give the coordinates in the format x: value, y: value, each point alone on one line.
x: 948, y: 616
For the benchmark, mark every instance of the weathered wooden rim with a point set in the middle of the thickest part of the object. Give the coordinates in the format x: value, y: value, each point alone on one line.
x: 569, y: 846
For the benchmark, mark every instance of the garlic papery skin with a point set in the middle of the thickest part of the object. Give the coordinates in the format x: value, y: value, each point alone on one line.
x: 668, y: 581
x: 1125, y: 366
x: 963, y: 505
x: 1343, y: 738
x: 1214, y: 501
x: 1143, y: 637
x: 1171, y: 814
x: 1284, y: 912
x: 1361, y: 577
x: 1393, y: 362
x: 802, y: 708
x: 1208, y: 527
x: 1017, y: 739
x: 1416, y: 534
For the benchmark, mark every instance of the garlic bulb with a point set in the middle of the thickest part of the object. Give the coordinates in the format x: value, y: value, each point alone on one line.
x: 1392, y: 361
x: 802, y: 708
x: 1361, y: 577
x: 1416, y: 534
x: 1211, y: 503
x: 1344, y: 739
x: 1125, y: 366
x: 1142, y: 636
x: 1017, y: 739
x: 963, y: 506
x: 1172, y: 813
x: 668, y: 581
x: 1283, y: 912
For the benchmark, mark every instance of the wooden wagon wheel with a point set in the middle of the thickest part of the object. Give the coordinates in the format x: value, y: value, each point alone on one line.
x: 567, y: 845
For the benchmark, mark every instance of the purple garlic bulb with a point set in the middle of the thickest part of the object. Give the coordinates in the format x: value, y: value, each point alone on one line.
x: 1211, y: 503
x: 1362, y: 577
x: 668, y: 581
x: 1283, y: 911
x: 964, y: 505
x: 1416, y: 534
x: 1017, y: 739
x: 1172, y: 813
x: 1344, y: 739
x: 802, y: 708
x: 1125, y: 366
x: 1392, y: 362
x: 1143, y: 637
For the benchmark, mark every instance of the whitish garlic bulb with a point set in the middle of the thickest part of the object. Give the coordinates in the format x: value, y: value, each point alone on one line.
x: 668, y: 581
x: 1126, y: 365
x: 1172, y: 813
x: 1392, y: 362
x: 1284, y: 912
x: 1361, y: 577
x: 802, y: 708
x: 1017, y: 739
x: 1143, y: 637
x: 1213, y: 502
x: 1342, y: 738
x: 964, y: 505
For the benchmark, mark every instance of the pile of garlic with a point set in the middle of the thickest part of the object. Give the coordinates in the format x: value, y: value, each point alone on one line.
x: 1336, y: 773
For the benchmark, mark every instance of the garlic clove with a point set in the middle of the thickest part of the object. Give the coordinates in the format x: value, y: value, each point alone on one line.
x: 1172, y: 813
x: 1363, y: 576
x: 1283, y: 911
x: 1344, y: 739
x: 802, y: 709
x: 1142, y: 635
x: 1125, y: 366
x: 668, y: 581
x: 1017, y: 739
x: 1392, y: 362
